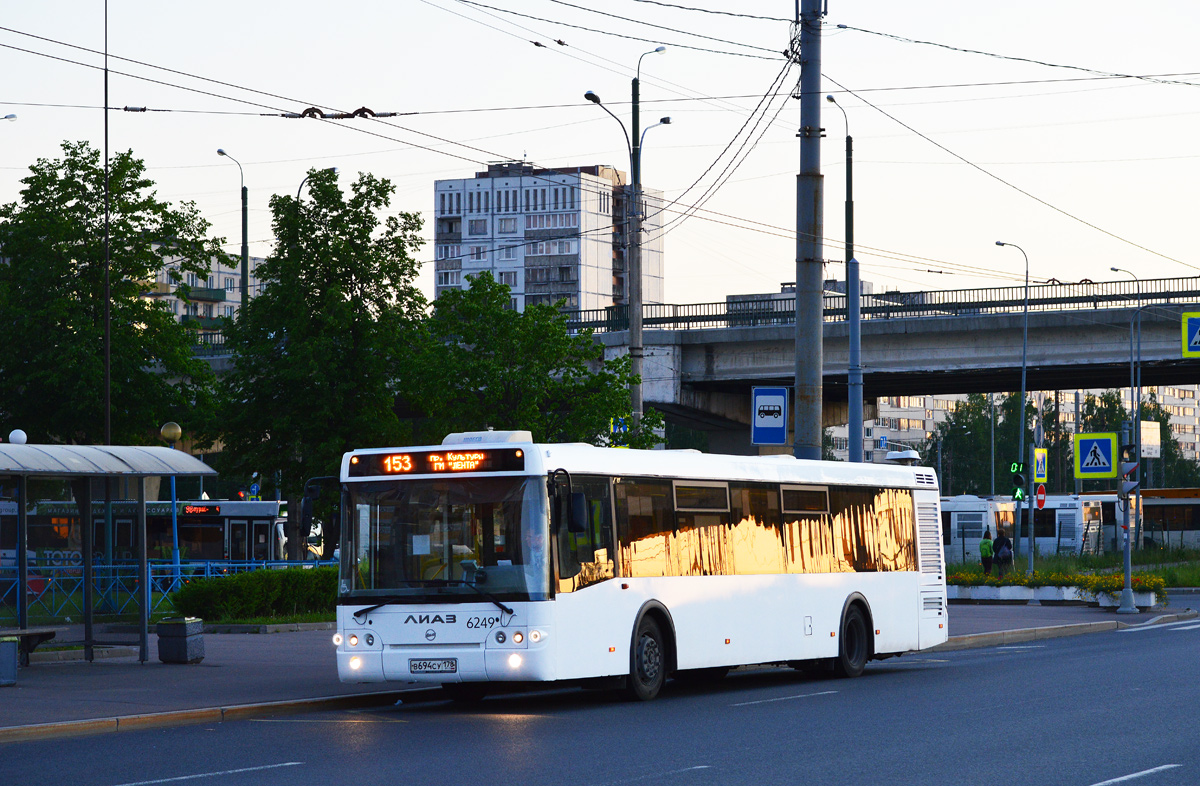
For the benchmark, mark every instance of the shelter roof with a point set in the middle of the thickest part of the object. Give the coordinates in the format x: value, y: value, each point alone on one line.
x: 105, y: 460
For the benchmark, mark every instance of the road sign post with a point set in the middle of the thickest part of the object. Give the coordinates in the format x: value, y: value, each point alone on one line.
x: 768, y: 416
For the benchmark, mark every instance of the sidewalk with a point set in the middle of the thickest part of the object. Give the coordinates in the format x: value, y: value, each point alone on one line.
x: 244, y: 675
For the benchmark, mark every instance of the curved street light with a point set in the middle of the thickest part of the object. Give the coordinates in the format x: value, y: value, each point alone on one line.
x: 854, y: 378
x: 633, y: 263
x: 1021, y: 409
x: 1135, y: 393
x: 245, y: 234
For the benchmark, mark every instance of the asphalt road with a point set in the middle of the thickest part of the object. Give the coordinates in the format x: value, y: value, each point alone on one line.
x: 1116, y: 707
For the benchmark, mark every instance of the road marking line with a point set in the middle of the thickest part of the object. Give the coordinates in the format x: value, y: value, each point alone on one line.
x: 215, y: 774
x: 656, y: 775
x: 1187, y: 625
x: 1141, y: 774
x: 785, y: 698
x: 1023, y: 647
x: 326, y: 720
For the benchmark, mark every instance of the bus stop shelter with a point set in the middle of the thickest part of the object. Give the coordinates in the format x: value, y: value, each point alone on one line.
x: 79, y: 464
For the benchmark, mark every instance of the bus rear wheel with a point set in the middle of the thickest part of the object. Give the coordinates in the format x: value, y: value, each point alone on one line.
x: 647, y: 661
x: 854, y: 645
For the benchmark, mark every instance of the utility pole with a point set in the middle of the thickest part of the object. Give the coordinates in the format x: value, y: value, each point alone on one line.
x: 810, y: 305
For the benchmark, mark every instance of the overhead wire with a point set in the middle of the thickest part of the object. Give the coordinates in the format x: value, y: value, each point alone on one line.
x: 615, y: 35
x: 659, y: 27
x: 1013, y: 186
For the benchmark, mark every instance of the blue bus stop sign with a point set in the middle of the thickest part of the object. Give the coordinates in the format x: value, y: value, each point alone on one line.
x: 768, y: 416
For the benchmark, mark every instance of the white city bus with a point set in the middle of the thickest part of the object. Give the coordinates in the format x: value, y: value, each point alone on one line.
x: 491, y: 558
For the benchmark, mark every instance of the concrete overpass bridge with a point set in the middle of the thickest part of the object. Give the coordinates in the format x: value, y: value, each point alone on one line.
x: 702, y: 359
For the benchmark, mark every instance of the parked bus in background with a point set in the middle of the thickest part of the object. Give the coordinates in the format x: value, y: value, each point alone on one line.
x: 489, y: 558
x: 1066, y: 524
x: 964, y: 519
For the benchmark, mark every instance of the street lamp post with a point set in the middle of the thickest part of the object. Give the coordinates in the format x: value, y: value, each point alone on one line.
x: 633, y: 263
x: 332, y: 169
x: 245, y: 224
x: 171, y: 432
x: 1021, y: 408
x: 1135, y: 391
x: 853, y: 303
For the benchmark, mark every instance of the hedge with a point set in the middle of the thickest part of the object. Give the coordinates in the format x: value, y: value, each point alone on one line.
x: 259, y: 593
x: 1107, y: 583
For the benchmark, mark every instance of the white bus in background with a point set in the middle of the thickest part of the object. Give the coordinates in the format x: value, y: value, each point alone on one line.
x: 964, y: 520
x: 1066, y: 524
x: 489, y: 558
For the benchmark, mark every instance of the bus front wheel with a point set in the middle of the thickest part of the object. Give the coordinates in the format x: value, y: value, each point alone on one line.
x: 647, y: 661
x: 854, y: 646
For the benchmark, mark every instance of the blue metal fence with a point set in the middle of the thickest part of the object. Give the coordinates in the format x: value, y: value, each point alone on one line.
x: 56, y: 591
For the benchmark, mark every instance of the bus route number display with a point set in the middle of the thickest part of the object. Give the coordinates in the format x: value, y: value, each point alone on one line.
x: 438, y: 462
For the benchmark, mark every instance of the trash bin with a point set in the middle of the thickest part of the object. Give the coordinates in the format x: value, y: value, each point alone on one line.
x: 8, y: 660
x: 181, y: 640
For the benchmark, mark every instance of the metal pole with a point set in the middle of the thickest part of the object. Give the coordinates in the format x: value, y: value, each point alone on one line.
x: 1029, y: 514
x: 636, y: 349
x: 22, y: 548
x: 1021, y: 405
x: 1079, y: 429
x: 992, y: 452
x: 853, y: 309
x: 245, y: 245
x: 809, y: 365
x: 144, y: 571
x: 1127, y: 606
x: 1137, y: 435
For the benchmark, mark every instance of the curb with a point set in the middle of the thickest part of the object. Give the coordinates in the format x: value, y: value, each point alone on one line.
x: 99, y: 652
x: 291, y: 627
x: 162, y: 720
x: 978, y: 640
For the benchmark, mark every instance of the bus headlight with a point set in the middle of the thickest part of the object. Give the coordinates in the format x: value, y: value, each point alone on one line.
x: 518, y: 637
x: 337, y: 639
x: 353, y: 640
x: 370, y: 639
x: 514, y: 661
x: 356, y: 663
x: 535, y: 636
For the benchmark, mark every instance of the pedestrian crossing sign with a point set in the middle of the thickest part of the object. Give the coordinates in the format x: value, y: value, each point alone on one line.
x: 1095, y: 456
x: 1039, y: 465
x: 1191, y: 335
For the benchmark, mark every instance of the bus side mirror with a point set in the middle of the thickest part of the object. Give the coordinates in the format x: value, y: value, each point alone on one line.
x: 577, y: 515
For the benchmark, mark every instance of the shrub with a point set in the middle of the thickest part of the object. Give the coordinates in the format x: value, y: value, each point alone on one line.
x: 259, y: 593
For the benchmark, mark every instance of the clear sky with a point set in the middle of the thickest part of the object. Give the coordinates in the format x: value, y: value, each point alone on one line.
x: 1117, y: 153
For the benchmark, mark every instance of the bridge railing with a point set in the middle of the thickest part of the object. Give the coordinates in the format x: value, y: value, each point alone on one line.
x: 781, y: 309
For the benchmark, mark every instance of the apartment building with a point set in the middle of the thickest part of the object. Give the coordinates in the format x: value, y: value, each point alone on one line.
x: 217, y: 295
x: 550, y: 235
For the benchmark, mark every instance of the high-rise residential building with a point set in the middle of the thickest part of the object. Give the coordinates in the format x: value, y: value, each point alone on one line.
x: 550, y: 235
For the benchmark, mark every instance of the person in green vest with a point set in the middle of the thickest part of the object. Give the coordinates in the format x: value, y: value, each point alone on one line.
x: 985, y: 551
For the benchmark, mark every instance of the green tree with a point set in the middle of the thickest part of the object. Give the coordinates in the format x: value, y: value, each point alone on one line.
x: 318, y: 355
x: 52, y: 304
x: 484, y: 364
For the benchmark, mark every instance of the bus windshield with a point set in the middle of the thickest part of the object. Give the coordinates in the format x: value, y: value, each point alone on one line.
x: 446, y: 540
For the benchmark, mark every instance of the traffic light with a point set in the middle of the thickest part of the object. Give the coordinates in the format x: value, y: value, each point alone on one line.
x: 1018, y: 479
x: 241, y: 495
x: 1127, y: 484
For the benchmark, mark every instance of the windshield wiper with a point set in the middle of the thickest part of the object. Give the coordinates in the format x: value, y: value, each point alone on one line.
x: 485, y: 594
x: 435, y: 583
